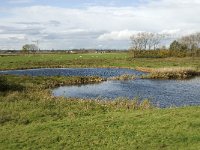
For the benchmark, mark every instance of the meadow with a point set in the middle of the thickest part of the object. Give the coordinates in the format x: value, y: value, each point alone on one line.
x: 125, y: 60
x: 31, y: 118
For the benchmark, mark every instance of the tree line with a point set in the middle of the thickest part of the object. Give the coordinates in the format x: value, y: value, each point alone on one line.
x: 143, y: 43
x: 146, y: 40
x: 186, y: 44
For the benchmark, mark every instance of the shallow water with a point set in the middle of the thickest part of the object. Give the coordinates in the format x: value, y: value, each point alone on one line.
x: 161, y: 93
x: 101, y: 72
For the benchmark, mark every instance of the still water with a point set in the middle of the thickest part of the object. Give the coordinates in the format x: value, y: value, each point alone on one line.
x: 162, y: 93
x: 101, y: 72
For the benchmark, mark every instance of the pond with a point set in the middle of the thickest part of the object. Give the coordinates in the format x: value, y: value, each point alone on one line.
x: 161, y: 93
x: 101, y: 72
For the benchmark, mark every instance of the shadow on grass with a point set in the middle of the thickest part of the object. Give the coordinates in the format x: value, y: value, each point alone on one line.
x: 6, y: 86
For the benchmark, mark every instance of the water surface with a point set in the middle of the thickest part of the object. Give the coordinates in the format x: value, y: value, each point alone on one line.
x: 101, y: 72
x: 161, y: 93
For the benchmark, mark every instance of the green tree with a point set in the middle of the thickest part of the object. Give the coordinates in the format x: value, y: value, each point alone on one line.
x: 178, y: 49
x: 176, y: 46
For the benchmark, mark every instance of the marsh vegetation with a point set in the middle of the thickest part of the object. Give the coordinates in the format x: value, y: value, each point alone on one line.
x: 180, y: 73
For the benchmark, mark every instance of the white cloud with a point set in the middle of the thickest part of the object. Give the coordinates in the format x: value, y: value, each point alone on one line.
x: 172, y: 31
x: 117, y: 35
x: 92, y: 26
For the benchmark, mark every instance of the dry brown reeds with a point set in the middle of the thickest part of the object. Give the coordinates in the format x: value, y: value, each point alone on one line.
x: 123, y: 77
x: 173, y: 73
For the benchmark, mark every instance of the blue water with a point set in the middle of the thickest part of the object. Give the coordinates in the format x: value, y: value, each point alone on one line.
x: 101, y: 72
x: 161, y: 93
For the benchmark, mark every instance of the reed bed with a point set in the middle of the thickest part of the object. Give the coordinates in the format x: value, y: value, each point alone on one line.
x: 173, y: 73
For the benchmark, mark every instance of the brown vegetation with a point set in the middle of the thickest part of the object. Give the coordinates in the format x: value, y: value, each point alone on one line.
x: 173, y: 73
x: 123, y: 77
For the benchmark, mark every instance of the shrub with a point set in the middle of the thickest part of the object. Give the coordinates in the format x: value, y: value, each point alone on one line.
x: 150, y: 54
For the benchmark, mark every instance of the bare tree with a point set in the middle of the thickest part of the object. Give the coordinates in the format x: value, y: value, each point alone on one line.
x: 136, y: 42
x: 29, y: 47
x: 156, y: 40
x: 150, y: 41
x: 191, y: 42
x: 146, y: 40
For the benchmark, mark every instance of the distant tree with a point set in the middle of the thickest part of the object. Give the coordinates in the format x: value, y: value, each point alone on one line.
x: 156, y: 40
x: 136, y: 42
x: 178, y: 49
x: 191, y: 42
x: 146, y: 41
x: 29, y: 47
x: 163, y: 47
x: 177, y: 46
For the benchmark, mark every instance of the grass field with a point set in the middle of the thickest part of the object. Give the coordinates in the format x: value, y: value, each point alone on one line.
x: 31, y: 118
x: 92, y: 60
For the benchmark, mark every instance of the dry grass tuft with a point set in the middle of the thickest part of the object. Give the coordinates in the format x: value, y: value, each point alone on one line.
x: 173, y: 73
x: 123, y: 77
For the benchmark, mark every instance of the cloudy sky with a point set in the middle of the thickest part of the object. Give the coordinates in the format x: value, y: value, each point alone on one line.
x: 68, y: 24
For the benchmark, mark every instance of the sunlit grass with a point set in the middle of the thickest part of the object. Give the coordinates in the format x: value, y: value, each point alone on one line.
x: 31, y: 118
x: 92, y: 60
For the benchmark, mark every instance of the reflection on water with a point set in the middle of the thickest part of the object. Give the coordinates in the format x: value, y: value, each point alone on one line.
x: 162, y: 93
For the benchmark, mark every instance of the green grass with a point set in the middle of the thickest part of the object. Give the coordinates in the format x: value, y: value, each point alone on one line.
x: 31, y: 118
x: 92, y: 60
x: 57, y: 60
x: 99, y: 129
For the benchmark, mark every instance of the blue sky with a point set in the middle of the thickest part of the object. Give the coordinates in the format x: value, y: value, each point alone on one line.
x: 67, y: 24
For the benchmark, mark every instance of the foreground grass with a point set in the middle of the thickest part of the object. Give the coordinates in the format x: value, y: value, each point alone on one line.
x: 92, y: 60
x: 30, y: 118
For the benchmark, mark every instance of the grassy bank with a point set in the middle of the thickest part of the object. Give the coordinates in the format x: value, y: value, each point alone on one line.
x: 30, y: 118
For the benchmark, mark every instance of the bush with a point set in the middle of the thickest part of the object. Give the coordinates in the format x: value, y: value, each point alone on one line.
x: 163, y: 53
x: 150, y: 54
